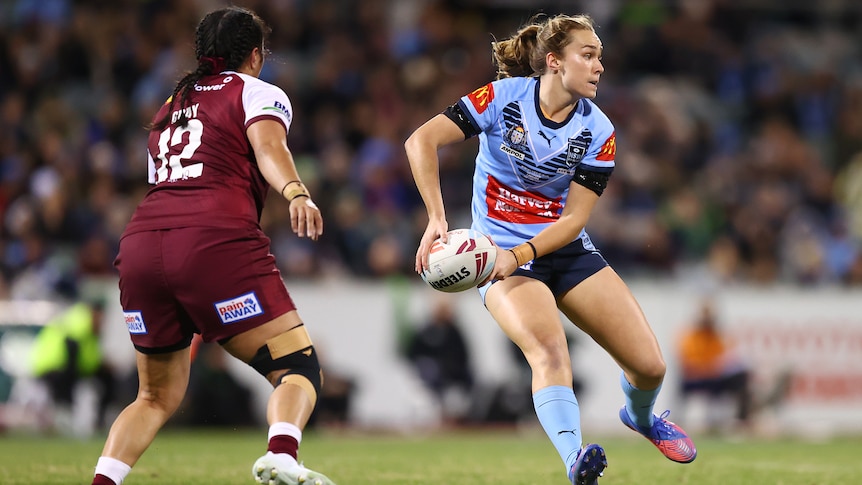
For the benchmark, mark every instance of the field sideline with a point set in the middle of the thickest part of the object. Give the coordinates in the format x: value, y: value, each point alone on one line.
x: 216, y: 457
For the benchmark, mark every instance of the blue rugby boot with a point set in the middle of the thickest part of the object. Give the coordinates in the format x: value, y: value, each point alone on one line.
x: 589, y: 466
x: 667, y: 436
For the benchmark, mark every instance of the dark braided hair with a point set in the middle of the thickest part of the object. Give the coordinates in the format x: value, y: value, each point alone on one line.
x: 223, y: 40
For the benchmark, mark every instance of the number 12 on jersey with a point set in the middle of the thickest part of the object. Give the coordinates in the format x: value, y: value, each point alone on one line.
x: 171, y: 167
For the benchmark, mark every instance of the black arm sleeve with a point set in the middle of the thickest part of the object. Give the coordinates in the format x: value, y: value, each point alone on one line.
x: 457, y: 115
x: 595, y: 181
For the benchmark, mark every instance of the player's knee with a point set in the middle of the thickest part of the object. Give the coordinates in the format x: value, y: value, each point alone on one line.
x: 308, y: 377
x: 547, y: 353
x: 650, y: 374
x: 165, y: 400
x: 657, y: 370
x: 291, y: 358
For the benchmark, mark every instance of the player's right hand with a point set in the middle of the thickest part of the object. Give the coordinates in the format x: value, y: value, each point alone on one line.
x: 305, y: 218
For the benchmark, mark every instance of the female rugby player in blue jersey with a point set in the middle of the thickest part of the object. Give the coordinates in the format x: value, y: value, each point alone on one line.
x: 545, y: 155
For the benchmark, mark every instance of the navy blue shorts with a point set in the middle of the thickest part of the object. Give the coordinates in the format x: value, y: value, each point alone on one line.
x: 563, y: 269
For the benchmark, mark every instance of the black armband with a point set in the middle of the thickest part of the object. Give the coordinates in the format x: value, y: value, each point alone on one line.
x: 595, y: 181
x: 460, y: 118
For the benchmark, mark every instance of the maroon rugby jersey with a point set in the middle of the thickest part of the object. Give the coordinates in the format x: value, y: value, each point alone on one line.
x: 205, y: 173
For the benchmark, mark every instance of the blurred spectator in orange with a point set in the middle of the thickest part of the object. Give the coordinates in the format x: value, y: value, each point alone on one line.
x: 710, y: 364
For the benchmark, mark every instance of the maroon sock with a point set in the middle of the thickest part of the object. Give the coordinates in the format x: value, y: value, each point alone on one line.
x: 283, y: 443
x: 100, y: 479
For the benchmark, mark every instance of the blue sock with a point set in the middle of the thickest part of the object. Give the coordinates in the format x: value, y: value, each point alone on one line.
x: 558, y: 411
x: 639, y: 404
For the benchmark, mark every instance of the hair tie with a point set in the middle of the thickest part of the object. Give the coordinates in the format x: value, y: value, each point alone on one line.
x: 218, y: 63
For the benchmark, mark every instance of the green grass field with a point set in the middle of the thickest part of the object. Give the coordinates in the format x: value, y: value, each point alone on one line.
x: 499, y: 458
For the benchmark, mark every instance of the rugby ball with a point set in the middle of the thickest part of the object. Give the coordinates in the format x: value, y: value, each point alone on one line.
x: 461, y: 263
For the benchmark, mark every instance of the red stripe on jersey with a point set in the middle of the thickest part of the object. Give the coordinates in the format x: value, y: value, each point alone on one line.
x: 511, y: 205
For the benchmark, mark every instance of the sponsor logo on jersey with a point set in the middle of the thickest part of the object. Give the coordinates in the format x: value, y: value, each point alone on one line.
x: 578, y: 147
x: 239, y: 308
x: 482, y: 97
x: 135, y: 322
x: 214, y: 87
x: 609, y: 149
x: 547, y: 138
x: 277, y: 106
x: 512, y: 205
x: 511, y: 151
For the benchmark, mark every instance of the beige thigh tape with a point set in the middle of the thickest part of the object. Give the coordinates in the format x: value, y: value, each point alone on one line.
x: 293, y: 340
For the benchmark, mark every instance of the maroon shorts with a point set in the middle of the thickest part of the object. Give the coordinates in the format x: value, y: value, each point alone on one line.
x: 213, y: 281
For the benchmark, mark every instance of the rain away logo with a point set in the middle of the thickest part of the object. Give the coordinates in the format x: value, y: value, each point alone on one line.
x: 239, y: 308
x: 135, y: 322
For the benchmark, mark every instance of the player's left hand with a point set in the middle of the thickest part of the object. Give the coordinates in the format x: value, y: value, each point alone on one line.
x: 504, y: 265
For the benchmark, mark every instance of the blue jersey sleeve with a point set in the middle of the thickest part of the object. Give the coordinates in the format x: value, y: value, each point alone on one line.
x: 601, y: 154
x: 479, y: 106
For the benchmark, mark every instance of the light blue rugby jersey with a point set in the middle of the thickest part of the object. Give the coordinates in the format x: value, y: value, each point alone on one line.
x: 526, y: 161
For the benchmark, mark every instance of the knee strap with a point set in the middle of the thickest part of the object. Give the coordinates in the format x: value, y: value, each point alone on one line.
x: 293, y: 353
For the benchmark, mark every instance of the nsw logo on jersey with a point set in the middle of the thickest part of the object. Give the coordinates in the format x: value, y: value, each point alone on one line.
x: 515, y: 142
x: 482, y: 97
x: 512, y: 205
x: 578, y: 147
x: 239, y: 308
x: 135, y: 322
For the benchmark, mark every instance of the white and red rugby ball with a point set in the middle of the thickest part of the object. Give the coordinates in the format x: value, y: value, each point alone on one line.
x: 461, y: 263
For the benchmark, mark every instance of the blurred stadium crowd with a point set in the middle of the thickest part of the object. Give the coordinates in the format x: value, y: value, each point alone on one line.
x: 739, y: 130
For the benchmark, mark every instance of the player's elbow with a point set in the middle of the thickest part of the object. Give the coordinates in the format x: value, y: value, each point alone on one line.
x: 414, y: 143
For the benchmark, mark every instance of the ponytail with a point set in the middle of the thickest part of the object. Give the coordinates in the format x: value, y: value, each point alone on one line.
x: 524, y: 53
x: 513, y: 56
x: 182, y: 89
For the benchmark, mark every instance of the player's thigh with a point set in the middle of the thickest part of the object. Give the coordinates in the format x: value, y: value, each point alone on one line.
x: 164, y: 377
x: 527, y: 313
x: 604, y: 307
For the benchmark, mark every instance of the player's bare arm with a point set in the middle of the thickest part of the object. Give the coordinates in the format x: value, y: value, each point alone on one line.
x: 269, y: 142
x: 421, y: 148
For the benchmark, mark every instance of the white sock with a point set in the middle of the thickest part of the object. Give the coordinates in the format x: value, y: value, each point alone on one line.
x: 112, y: 468
x: 285, y: 428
